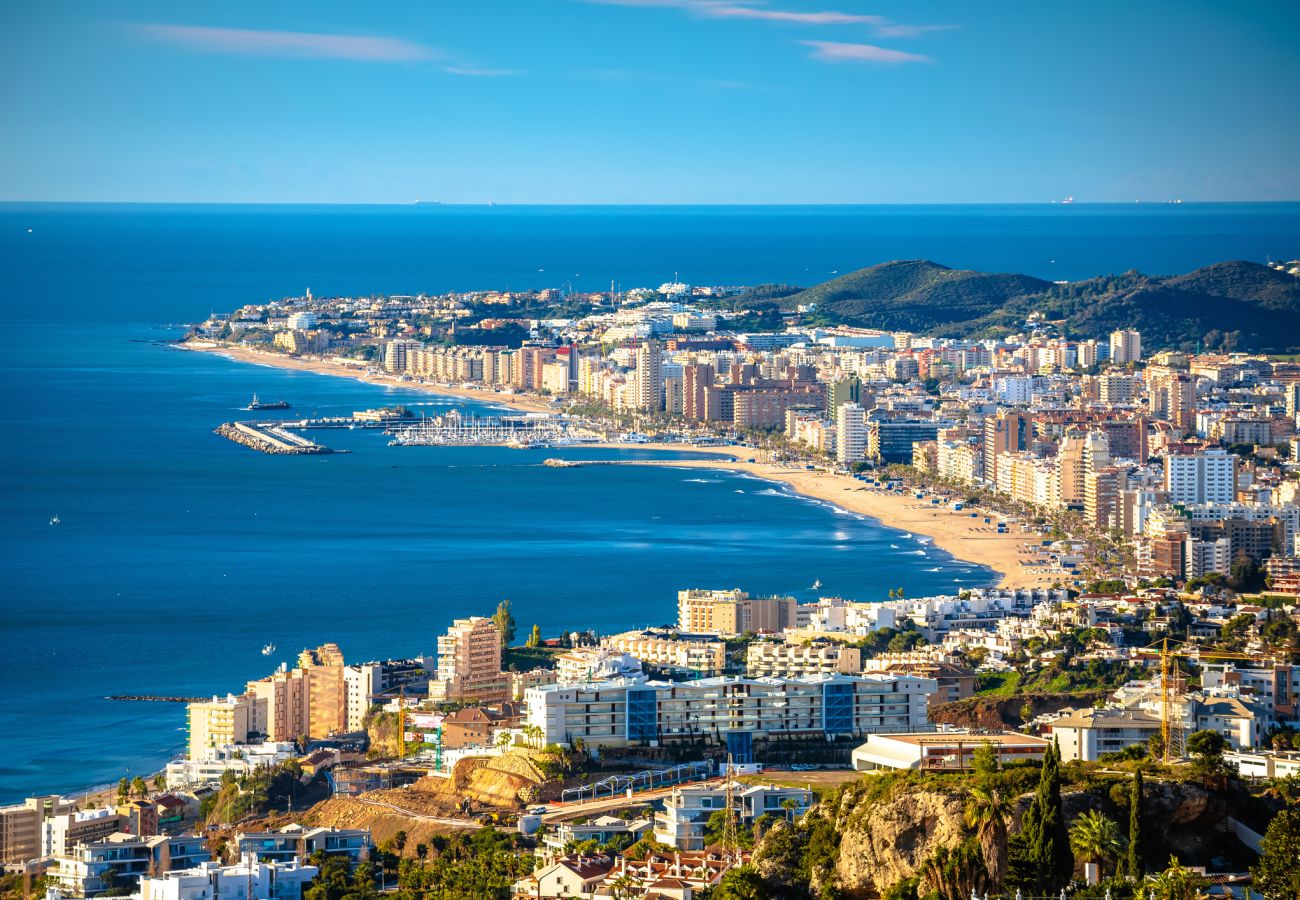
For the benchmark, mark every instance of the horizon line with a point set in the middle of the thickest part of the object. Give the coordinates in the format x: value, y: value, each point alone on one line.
x: 488, y: 204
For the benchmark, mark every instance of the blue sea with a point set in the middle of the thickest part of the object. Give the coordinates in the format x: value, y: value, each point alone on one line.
x: 179, y: 554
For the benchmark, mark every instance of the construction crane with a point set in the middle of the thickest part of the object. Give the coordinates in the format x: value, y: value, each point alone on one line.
x: 1171, y: 718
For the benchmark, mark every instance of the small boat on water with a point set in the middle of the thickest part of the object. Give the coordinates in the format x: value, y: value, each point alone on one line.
x: 267, y: 404
x: 268, y: 649
x: 55, y: 520
x: 816, y: 584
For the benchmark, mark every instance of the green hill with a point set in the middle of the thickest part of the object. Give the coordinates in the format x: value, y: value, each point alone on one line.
x: 1231, y: 305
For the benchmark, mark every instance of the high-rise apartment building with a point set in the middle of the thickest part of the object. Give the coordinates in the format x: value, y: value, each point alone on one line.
x: 1009, y: 431
x: 649, y: 376
x: 1125, y: 346
x: 216, y: 722
x: 1202, y: 475
x: 469, y: 663
x: 850, y: 433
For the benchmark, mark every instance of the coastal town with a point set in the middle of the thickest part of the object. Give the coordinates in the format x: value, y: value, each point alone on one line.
x: 1138, y: 506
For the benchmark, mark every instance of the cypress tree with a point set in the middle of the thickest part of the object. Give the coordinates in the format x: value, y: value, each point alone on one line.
x: 1135, y: 827
x: 1048, y: 841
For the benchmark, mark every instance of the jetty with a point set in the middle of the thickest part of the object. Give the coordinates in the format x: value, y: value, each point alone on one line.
x: 270, y: 437
x: 155, y: 698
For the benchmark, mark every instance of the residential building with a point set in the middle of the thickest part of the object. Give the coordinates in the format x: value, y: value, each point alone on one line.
x: 92, y: 868
x: 706, y: 611
x: 469, y: 663
x: 1200, y: 475
x: 1125, y: 346
x: 360, y: 684
x: 301, y: 842
x: 784, y: 660
x: 850, y: 433
x: 730, y: 710
x: 217, y: 722
x: 249, y: 879
x: 1086, y: 734
x: 686, y: 812
x: 24, y: 826
x: 672, y: 653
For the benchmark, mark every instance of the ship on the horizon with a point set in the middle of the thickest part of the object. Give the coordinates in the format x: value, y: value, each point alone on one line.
x: 267, y: 404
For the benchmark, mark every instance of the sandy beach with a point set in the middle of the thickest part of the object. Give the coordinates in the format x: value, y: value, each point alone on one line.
x: 965, y: 537
x: 325, y: 367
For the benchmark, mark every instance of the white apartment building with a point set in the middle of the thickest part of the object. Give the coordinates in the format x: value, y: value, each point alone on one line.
x: 728, y: 710
x: 1201, y: 476
x: 242, y: 759
x: 360, y: 684
x: 1086, y: 734
x: 246, y: 880
x: 850, y: 433
x: 582, y: 664
x: 687, y: 810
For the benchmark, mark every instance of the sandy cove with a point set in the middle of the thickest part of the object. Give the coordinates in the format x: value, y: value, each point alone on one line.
x: 966, y: 538
x: 323, y: 367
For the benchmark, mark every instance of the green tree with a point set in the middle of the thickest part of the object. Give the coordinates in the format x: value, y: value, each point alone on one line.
x: 1207, y: 749
x: 534, y: 637
x: 741, y: 883
x: 1040, y: 860
x: 1095, y: 838
x: 987, y: 812
x: 504, y: 619
x: 123, y: 790
x: 1135, y: 827
x: 955, y: 874
x: 1277, y: 875
x: 139, y: 788
x: 399, y: 842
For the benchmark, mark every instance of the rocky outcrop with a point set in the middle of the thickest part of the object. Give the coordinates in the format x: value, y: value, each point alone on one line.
x: 996, y: 713
x: 888, y: 830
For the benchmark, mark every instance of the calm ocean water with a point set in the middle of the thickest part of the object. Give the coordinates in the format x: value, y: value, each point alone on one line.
x: 180, y: 554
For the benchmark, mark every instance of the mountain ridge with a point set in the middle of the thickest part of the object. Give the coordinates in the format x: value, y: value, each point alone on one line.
x: 1231, y: 305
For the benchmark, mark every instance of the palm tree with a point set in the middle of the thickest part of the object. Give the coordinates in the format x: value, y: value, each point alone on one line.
x: 988, y: 812
x: 1176, y: 883
x: 1095, y: 838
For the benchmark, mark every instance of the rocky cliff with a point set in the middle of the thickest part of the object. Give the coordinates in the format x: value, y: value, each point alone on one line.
x: 888, y: 828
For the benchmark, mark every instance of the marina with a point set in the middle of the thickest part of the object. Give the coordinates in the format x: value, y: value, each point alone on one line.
x: 456, y: 430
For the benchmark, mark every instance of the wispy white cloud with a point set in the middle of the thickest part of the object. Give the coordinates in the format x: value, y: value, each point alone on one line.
x: 896, y: 30
x: 835, y: 51
x: 477, y: 72
x: 295, y: 44
x: 756, y: 10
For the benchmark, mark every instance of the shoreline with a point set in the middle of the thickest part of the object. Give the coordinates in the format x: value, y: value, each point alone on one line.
x: 320, y: 366
x: 966, y: 538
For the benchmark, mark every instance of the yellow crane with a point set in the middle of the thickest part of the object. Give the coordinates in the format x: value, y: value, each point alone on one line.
x: 1171, y: 719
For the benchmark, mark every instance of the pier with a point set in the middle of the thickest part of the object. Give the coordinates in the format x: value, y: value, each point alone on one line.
x: 271, y: 438
x: 155, y: 698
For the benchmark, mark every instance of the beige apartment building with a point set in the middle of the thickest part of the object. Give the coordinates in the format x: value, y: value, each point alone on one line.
x: 309, y: 701
x: 703, y: 611
x: 667, y: 652
x: 23, y: 825
x: 469, y: 663
x: 777, y: 659
x: 216, y: 722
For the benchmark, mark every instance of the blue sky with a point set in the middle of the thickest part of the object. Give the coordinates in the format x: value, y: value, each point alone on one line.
x: 659, y: 101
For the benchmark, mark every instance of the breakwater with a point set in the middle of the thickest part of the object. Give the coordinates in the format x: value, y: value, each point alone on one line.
x: 270, y: 438
x: 155, y: 698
